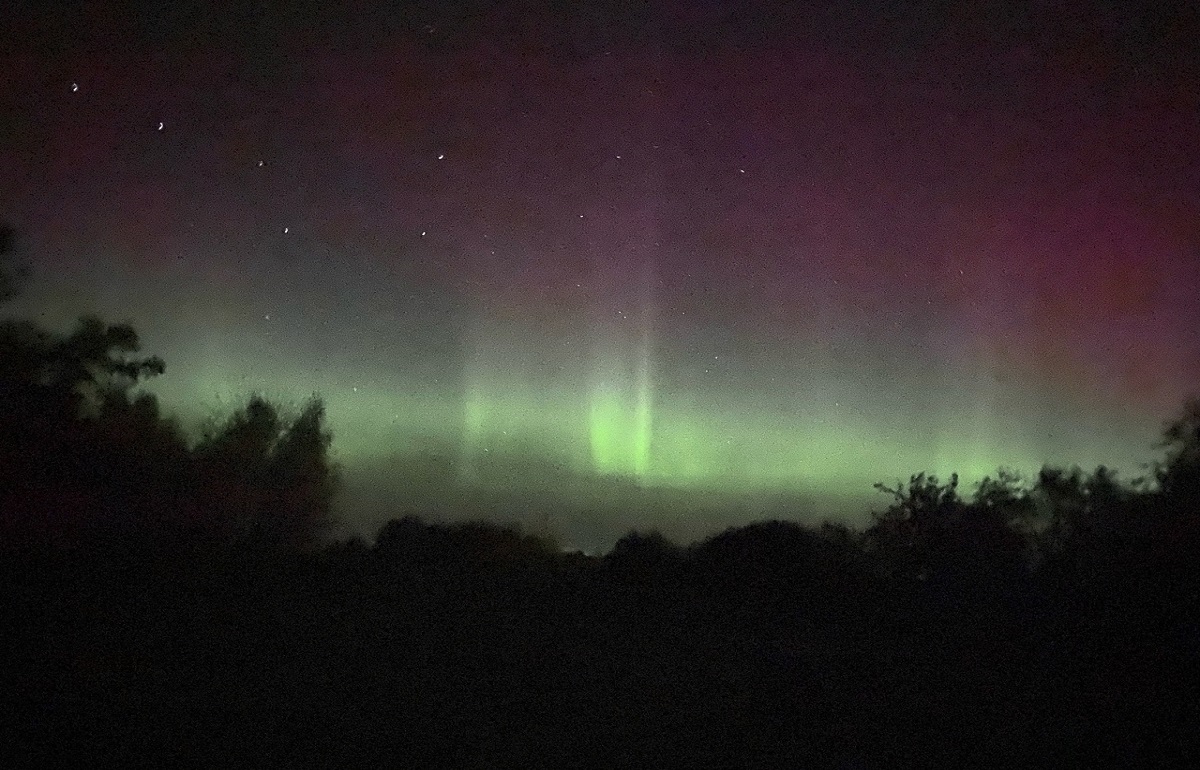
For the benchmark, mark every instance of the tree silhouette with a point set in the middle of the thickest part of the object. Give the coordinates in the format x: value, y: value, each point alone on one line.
x: 644, y: 555
x: 64, y: 464
x: 1002, y: 526
x: 1179, y: 473
x: 400, y: 536
x: 763, y: 569
x: 1080, y: 511
x: 1004, y: 496
x: 51, y: 377
x: 234, y: 465
x: 904, y: 535
x: 931, y: 534
x: 271, y: 482
x: 304, y: 481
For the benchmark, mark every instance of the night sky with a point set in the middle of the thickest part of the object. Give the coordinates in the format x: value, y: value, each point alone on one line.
x: 607, y: 264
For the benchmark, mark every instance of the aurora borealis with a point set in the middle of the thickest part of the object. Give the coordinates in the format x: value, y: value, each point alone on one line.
x: 710, y: 247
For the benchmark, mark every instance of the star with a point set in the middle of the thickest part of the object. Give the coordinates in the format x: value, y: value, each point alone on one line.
x: 160, y: 126
x: 441, y: 156
x: 74, y: 87
x: 285, y: 230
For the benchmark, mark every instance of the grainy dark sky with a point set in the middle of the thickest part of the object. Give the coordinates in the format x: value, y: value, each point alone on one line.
x: 696, y: 245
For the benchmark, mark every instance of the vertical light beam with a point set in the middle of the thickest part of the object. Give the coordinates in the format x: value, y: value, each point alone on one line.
x: 643, y: 418
x: 621, y: 406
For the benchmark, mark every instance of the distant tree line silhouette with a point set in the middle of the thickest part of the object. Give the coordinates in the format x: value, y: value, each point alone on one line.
x: 1033, y: 621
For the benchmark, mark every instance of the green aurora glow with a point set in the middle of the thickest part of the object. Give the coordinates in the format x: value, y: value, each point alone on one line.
x: 521, y: 407
x: 728, y: 445
x: 630, y: 286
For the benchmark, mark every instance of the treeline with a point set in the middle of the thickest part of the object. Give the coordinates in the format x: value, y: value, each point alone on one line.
x: 1033, y: 622
x: 87, y: 461
x: 1011, y: 540
x: 179, y: 597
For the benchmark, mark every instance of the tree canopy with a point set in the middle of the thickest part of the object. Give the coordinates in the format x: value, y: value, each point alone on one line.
x: 85, y: 451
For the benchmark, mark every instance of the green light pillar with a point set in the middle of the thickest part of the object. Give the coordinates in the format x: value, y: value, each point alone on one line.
x: 620, y: 420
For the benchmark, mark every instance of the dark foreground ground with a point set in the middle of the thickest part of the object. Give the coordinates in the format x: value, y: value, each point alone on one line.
x: 355, y: 661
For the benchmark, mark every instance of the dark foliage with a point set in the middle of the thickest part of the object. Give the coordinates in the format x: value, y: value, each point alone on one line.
x: 272, y: 484
x: 88, y: 461
x: 172, y: 602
